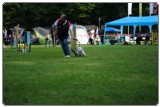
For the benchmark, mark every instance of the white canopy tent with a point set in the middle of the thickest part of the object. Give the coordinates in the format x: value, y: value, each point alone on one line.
x: 81, y: 34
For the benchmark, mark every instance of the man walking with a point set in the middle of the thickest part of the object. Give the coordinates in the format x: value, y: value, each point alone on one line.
x: 62, y: 26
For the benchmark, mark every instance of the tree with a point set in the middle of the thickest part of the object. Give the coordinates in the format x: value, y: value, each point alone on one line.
x: 30, y: 15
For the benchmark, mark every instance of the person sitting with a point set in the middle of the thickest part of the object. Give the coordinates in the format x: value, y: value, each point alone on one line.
x: 139, y: 38
x: 117, y: 38
x: 97, y: 40
x: 147, y: 39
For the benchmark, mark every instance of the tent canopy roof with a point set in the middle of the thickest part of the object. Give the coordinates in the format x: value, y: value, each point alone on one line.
x: 111, y: 29
x: 135, y: 21
x: 41, y: 31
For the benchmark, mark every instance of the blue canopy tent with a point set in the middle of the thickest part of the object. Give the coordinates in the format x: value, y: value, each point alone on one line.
x: 112, y: 30
x: 134, y: 21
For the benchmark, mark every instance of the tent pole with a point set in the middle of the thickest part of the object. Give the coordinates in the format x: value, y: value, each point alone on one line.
x: 121, y: 30
x: 134, y: 32
x: 128, y: 27
x: 139, y: 28
x: 150, y: 31
x: 105, y: 26
x: 128, y: 30
x: 140, y: 13
x: 150, y: 28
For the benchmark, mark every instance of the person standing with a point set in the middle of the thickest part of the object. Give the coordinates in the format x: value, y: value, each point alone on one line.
x: 5, y: 33
x: 96, y: 35
x: 62, y: 26
x: 91, y: 36
x: 16, y: 33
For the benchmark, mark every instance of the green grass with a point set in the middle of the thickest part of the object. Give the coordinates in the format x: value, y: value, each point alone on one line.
x: 109, y: 75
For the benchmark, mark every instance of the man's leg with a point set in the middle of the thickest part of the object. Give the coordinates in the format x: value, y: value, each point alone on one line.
x: 66, y: 47
x: 62, y: 45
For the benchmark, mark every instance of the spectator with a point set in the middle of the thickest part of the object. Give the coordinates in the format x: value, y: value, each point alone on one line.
x: 91, y: 36
x: 139, y: 38
x: 96, y: 35
x: 147, y: 38
x: 16, y: 30
x: 97, y: 40
x: 117, y: 38
x: 5, y: 33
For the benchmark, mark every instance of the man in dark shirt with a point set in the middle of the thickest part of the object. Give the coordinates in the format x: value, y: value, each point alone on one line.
x: 62, y: 25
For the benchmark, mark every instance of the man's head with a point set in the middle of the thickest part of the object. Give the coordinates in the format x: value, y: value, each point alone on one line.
x: 63, y: 17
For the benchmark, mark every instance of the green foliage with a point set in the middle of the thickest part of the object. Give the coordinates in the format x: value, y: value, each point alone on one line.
x: 108, y: 75
x: 30, y: 15
x: 9, y: 13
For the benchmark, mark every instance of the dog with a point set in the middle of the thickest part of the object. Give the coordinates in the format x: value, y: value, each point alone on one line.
x: 80, y: 52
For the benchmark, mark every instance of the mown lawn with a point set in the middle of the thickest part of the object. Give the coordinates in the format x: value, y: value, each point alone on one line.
x: 109, y: 75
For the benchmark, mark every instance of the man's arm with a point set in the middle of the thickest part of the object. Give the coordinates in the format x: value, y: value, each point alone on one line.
x: 71, y: 32
x: 55, y: 23
x: 54, y: 27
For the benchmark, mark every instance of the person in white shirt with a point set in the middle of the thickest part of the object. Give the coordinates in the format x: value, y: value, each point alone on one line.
x: 97, y: 38
x: 91, y: 36
x: 4, y: 33
x: 117, y: 38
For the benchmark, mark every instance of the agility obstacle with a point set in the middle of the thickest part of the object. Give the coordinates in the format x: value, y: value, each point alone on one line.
x: 73, y: 40
x: 24, y: 44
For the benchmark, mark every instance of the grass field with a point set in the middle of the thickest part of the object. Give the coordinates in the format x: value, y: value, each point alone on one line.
x: 109, y: 75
